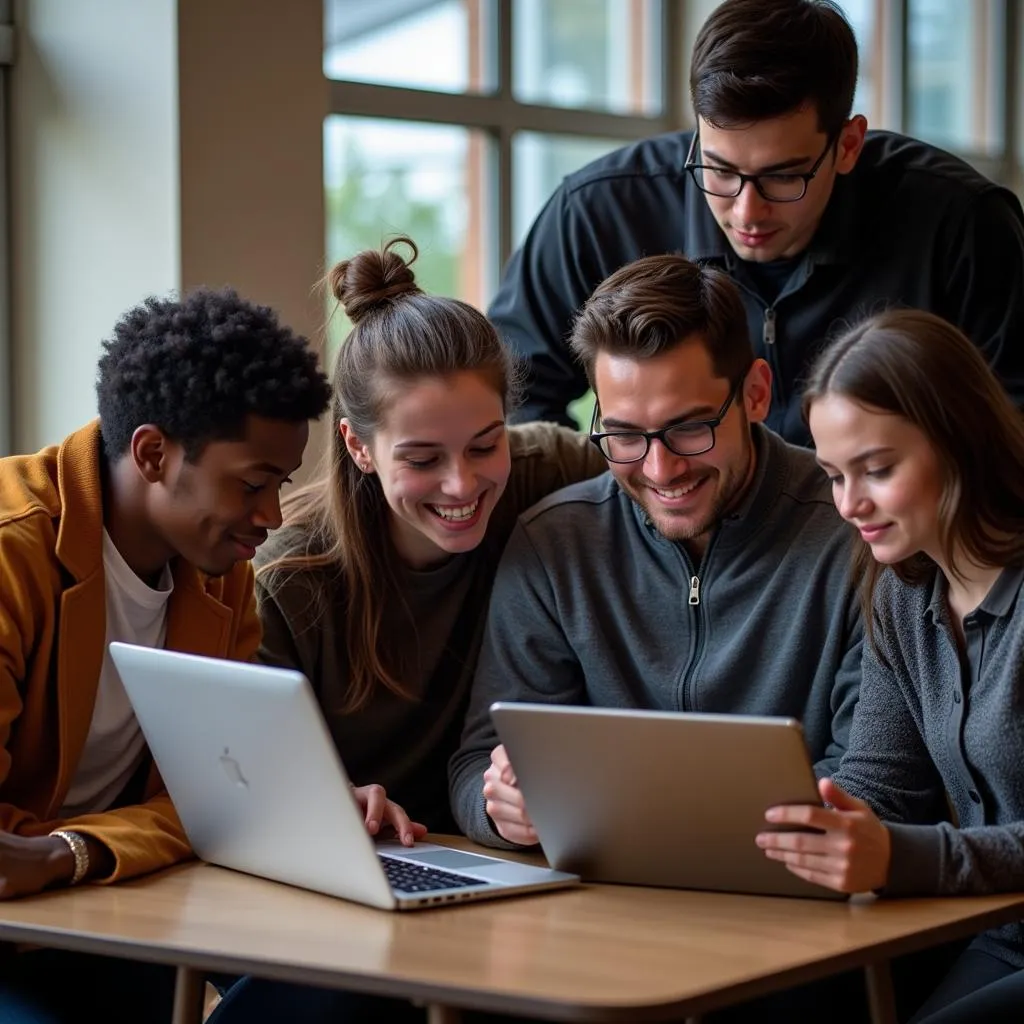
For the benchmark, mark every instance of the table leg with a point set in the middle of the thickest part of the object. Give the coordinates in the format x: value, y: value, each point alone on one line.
x: 438, y: 1014
x: 189, y: 995
x: 881, y: 1000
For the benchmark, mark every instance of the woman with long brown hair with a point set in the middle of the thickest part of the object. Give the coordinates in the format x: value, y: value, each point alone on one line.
x: 377, y: 584
x: 376, y: 587
x: 925, y: 451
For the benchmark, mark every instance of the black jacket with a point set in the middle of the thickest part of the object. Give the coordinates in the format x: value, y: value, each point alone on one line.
x: 910, y: 226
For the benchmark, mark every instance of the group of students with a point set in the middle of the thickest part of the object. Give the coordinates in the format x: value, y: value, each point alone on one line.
x: 684, y: 554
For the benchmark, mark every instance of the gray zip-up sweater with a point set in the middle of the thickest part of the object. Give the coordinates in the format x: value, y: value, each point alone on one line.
x: 592, y: 605
x: 931, y: 723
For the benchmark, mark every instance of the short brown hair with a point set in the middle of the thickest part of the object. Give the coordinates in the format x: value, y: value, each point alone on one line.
x: 656, y: 303
x: 919, y: 367
x: 758, y: 59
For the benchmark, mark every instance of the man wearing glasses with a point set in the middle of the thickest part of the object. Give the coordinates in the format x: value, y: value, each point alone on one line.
x: 817, y: 221
x: 707, y: 571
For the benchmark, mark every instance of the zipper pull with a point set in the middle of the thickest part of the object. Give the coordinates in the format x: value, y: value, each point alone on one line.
x: 769, y: 326
x: 694, y: 590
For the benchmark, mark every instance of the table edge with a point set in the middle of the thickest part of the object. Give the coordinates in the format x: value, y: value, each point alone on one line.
x: 511, y: 1003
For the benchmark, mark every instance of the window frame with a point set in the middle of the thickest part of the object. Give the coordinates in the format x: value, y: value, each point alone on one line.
x: 498, y: 115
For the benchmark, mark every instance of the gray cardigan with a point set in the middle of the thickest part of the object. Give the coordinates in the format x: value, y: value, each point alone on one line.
x: 928, y: 725
x: 592, y: 605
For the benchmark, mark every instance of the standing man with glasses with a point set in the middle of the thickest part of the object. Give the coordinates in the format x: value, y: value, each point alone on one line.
x: 817, y: 221
x: 707, y: 571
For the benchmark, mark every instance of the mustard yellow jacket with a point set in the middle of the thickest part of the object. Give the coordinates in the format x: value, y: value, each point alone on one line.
x: 52, y: 630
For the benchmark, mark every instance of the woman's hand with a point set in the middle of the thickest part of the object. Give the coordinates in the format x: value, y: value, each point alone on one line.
x: 851, y: 851
x: 382, y: 813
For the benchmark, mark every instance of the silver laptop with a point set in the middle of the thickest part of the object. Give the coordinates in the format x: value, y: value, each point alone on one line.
x: 257, y: 782
x: 659, y: 798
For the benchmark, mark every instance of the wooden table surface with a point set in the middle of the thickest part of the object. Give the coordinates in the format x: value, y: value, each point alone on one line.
x: 598, y: 952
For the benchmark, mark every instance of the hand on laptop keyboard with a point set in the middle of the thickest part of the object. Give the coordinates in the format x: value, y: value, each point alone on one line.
x: 381, y: 813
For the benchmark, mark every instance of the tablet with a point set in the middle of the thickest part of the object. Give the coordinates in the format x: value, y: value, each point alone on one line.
x: 659, y: 798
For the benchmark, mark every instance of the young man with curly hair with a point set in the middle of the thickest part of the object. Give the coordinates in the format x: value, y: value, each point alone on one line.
x: 138, y: 527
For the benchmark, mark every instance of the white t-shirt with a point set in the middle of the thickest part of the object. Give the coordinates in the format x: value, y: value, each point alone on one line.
x: 136, y: 614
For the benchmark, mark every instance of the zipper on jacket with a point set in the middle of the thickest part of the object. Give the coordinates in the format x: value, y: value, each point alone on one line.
x: 768, y: 332
x: 693, y: 573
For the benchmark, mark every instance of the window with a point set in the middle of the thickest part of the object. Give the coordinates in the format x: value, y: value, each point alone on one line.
x: 601, y: 54
x: 539, y: 162
x: 453, y: 120
x: 955, y: 93
x: 390, y: 177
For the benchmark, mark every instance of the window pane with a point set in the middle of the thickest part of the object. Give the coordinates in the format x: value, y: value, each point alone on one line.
x: 539, y: 163
x: 955, y: 73
x: 866, y: 100
x: 695, y: 13
x: 600, y: 54
x: 420, y: 44
x: 430, y: 182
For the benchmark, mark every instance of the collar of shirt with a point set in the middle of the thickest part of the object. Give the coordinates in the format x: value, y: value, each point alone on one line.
x: 997, y: 603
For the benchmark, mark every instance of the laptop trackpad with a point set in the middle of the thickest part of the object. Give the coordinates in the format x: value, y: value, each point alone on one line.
x: 452, y: 859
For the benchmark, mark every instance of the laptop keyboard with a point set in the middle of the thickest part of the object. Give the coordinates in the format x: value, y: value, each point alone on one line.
x: 408, y: 876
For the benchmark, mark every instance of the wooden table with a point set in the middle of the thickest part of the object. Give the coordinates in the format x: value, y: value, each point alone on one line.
x: 596, y: 953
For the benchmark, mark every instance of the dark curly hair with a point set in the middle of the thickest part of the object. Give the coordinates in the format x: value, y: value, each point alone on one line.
x: 198, y: 366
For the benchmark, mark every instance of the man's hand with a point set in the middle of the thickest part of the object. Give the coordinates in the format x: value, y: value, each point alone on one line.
x: 382, y: 813
x: 851, y: 853
x: 29, y: 864
x: 505, y: 805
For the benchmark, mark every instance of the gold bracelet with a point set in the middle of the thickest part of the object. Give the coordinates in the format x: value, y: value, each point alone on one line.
x: 78, y: 850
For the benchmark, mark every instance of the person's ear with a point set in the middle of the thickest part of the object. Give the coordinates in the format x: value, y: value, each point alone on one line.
x: 358, y: 452
x: 150, y: 451
x: 757, y: 391
x: 850, y: 143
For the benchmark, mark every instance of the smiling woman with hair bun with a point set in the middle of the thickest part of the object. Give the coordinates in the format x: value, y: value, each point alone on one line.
x: 377, y: 585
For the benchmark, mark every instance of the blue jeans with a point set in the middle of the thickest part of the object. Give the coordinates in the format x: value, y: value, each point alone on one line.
x: 50, y: 986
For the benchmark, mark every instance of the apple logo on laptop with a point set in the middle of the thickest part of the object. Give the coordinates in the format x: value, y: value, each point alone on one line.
x: 232, y: 770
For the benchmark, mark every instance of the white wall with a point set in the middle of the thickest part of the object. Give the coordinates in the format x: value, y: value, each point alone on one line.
x: 95, y: 203
x: 157, y: 145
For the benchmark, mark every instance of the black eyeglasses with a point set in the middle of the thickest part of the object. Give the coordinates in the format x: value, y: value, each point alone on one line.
x: 775, y: 186
x: 695, y: 437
